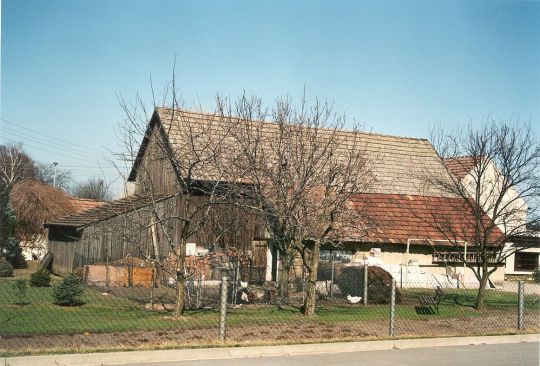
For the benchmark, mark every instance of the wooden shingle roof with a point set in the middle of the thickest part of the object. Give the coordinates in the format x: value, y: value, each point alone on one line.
x: 397, y: 163
x: 103, y: 212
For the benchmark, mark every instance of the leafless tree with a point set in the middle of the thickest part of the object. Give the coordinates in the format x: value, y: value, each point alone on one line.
x: 497, y: 176
x: 15, y: 165
x: 183, y: 162
x: 93, y: 188
x: 59, y: 178
x: 302, y: 168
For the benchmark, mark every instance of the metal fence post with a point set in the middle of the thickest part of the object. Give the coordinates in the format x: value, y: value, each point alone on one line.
x: 521, y: 305
x: 365, y: 281
x: 223, y: 309
x: 332, y: 278
x: 392, y: 328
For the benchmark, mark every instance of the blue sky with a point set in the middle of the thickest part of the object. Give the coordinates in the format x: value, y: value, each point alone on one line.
x: 399, y: 67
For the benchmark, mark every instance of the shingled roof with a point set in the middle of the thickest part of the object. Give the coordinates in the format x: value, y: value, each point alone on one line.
x: 104, y: 212
x: 424, y: 220
x: 398, y: 163
x: 460, y: 166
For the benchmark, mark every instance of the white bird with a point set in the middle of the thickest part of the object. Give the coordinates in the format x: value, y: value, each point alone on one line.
x: 354, y: 299
x: 244, y: 297
x: 243, y: 284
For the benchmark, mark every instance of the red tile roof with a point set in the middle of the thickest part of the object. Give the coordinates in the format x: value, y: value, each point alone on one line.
x: 399, y: 218
x: 460, y: 166
x: 83, y: 204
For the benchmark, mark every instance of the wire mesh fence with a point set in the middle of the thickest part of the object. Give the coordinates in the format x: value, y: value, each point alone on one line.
x: 110, y: 316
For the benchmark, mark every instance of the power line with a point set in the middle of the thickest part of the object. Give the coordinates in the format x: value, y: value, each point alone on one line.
x: 50, y: 151
x: 48, y: 136
x: 50, y: 144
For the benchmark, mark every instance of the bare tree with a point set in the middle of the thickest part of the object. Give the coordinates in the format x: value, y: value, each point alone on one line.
x: 93, y: 188
x: 182, y: 160
x: 58, y: 178
x: 15, y: 166
x: 301, y: 170
x: 496, y: 173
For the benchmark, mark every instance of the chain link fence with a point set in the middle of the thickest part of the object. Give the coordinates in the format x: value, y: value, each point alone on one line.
x: 232, y: 311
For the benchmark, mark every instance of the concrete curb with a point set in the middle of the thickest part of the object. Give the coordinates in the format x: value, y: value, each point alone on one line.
x: 119, y: 358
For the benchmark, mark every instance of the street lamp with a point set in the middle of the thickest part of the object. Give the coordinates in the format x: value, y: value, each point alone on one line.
x: 54, y: 173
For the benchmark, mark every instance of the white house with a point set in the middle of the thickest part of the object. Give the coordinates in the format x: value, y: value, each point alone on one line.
x: 513, y: 219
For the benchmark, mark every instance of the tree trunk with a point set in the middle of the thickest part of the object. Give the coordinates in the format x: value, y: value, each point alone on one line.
x: 309, y: 303
x: 283, y: 286
x: 180, y: 281
x: 482, y: 289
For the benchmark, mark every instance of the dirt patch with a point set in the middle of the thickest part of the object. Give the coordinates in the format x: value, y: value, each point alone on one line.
x: 277, y: 333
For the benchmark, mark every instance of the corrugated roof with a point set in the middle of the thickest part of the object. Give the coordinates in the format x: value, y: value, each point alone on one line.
x: 398, y: 218
x: 397, y: 163
x: 104, y: 212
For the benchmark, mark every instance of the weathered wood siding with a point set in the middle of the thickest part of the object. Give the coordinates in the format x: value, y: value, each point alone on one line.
x: 155, y: 173
x: 130, y: 234
x: 63, y: 244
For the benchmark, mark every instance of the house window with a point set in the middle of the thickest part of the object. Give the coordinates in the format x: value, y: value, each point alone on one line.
x: 525, y: 261
x: 342, y: 256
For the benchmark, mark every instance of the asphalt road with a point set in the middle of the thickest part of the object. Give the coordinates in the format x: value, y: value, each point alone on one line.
x: 516, y: 354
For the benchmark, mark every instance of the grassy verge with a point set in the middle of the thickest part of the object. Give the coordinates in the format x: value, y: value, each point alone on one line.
x: 109, y: 313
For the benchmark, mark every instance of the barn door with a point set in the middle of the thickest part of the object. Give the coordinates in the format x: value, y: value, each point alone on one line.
x: 258, y: 269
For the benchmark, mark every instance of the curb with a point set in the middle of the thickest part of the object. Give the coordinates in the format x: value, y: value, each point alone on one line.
x: 119, y: 358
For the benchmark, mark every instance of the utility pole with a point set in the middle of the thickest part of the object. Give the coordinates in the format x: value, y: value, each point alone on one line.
x: 54, y: 173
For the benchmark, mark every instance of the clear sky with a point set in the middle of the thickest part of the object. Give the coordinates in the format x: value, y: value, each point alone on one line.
x: 397, y: 66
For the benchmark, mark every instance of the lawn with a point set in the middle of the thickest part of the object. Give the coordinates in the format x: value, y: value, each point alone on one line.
x: 109, y: 313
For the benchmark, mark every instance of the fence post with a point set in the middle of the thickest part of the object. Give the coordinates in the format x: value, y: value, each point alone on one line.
x: 365, y: 281
x: 392, y: 328
x: 332, y: 278
x: 223, y: 309
x: 521, y: 306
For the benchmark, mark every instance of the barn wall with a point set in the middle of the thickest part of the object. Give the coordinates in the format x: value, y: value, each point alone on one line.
x: 155, y: 174
x: 63, y: 244
x: 130, y: 235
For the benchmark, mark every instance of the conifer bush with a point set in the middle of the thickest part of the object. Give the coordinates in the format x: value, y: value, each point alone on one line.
x: 40, y: 278
x: 6, y: 268
x: 68, y: 292
x: 19, y: 286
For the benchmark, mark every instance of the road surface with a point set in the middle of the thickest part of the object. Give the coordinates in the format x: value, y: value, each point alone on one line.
x: 516, y: 354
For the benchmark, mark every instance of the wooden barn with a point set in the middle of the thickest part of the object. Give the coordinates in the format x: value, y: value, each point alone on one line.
x: 126, y: 228
x: 400, y: 205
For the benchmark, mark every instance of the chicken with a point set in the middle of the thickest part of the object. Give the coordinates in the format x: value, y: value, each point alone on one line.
x: 244, y: 297
x: 243, y: 284
x: 354, y: 299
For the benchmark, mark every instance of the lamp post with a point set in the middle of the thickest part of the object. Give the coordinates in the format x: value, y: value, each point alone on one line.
x: 54, y: 173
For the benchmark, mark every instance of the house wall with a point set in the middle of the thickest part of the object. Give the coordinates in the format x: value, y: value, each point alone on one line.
x: 517, y: 209
x: 510, y: 262
x: 491, y: 188
x: 419, y: 260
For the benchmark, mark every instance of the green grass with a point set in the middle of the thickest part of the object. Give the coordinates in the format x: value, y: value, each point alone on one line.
x: 115, y: 313
x: 98, y: 314
x: 494, y: 299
